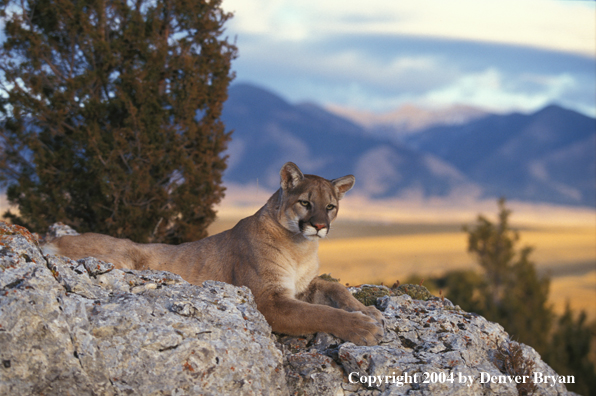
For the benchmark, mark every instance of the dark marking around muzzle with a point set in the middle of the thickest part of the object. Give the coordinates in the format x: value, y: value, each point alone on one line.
x: 316, y: 222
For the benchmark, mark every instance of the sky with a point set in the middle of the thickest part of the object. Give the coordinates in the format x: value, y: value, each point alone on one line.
x: 506, y: 55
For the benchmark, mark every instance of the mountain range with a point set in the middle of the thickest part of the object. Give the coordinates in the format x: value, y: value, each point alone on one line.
x: 408, y: 119
x: 547, y: 156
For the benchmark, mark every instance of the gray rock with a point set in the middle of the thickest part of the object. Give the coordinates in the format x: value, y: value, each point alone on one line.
x: 430, y: 348
x: 83, y: 327
x: 68, y: 329
x: 94, y: 266
x: 57, y: 230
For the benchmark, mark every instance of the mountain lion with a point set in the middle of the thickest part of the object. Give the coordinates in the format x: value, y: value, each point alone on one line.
x: 273, y: 252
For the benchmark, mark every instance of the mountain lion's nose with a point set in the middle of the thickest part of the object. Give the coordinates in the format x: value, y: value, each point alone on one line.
x: 318, y: 226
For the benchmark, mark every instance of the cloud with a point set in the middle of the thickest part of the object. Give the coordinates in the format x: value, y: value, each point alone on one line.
x: 506, y: 55
x: 493, y: 89
x: 380, y: 73
x: 548, y: 24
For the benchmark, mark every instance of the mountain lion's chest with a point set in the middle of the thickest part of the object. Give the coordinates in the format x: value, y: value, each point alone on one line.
x: 305, y: 271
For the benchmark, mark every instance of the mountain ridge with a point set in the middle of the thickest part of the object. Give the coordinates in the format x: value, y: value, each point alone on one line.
x: 546, y: 156
x: 408, y: 119
x: 268, y: 131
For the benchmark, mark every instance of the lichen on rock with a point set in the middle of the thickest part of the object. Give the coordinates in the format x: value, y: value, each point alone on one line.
x: 369, y: 294
x: 417, y: 292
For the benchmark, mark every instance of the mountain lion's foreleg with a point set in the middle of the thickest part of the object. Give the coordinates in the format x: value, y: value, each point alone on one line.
x: 336, y: 295
x: 294, y: 317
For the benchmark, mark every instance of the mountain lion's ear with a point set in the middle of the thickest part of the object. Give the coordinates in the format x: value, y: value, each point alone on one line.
x: 291, y: 176
x: 343, y: 185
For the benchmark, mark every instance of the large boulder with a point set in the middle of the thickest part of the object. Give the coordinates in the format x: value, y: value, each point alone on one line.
x: 430, y: 348
x: 82, y: 327
x: 78, y: 328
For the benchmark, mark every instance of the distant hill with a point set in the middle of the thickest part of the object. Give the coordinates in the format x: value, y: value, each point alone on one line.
x: 548, y: 156
x: 408, y: 119
x: 268, y: 131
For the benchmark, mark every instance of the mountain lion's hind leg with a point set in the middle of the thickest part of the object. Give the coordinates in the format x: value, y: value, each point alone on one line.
x: 123, y: 253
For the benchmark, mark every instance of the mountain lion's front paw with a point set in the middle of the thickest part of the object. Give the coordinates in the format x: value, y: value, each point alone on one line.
x: 361, y: 329
x: 375, y: 314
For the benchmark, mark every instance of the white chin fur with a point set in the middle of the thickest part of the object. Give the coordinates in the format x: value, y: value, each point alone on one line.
x: 311, y: 232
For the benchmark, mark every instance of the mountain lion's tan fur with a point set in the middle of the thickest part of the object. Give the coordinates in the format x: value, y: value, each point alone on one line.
x: 273, y: 252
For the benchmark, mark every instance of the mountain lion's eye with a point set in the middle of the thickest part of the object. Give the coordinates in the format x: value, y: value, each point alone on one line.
x: 330, y: 207
x: 306, y: 204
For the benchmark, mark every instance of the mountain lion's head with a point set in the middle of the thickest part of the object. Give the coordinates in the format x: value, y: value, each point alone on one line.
x: 309, y: 203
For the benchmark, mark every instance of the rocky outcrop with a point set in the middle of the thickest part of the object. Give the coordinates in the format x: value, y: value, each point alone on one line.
x: 78, y: 328
x: 82, y: 327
